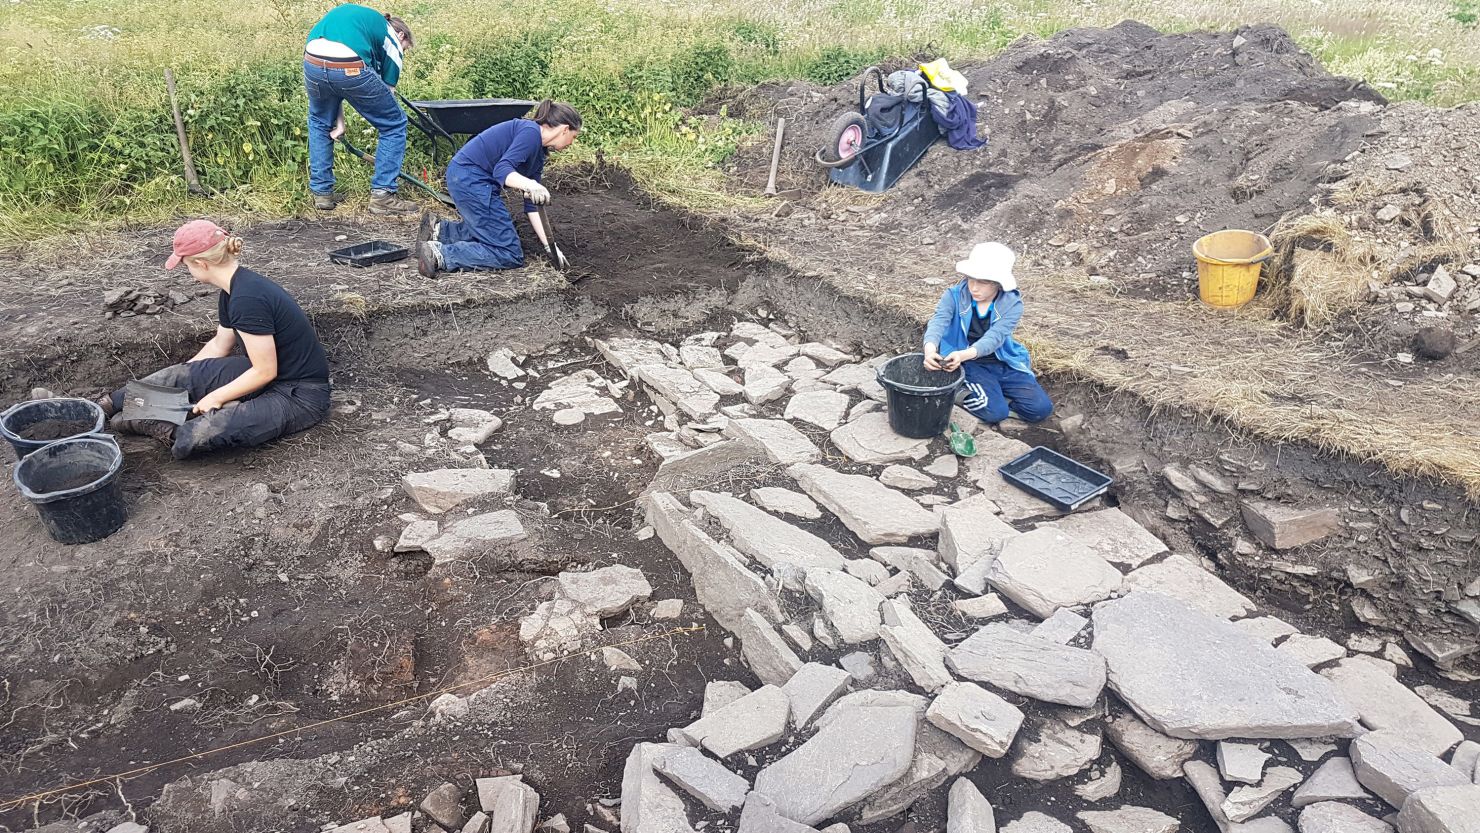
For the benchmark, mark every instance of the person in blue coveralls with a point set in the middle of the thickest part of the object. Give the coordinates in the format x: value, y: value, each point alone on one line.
x: 507, y: 155
x: 354, y: 54
x: 972, y: 329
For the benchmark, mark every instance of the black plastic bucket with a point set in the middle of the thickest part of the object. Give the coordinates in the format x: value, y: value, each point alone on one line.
x: 74, y: 486
x: 27, y: 415
x: 920, y: 400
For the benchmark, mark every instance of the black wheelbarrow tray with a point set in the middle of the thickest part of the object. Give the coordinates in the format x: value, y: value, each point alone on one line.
x: 468, y: 116
x: 873, y: 156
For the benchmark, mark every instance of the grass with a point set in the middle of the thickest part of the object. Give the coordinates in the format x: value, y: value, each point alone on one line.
x: 85, y: 134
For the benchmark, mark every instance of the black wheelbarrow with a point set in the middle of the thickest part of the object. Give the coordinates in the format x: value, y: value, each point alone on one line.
x: 442, y: 119
x: 872, y: 148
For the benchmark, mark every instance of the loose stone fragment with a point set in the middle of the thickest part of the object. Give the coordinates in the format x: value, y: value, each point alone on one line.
x: 1241, y: 762
x: 1102, y: 787
x: 1267, y: 628
x: 1061, y: 627
x: 761, y: 816
x: 1045, y: 570
x: 1442, y: 810
x: 765, y: 651
x: 822, y: 408
x: 778, y: 439
x: 1036, y: 822
x: 981, y: 719
x: 441, y: 490
x: 512, y: 805
x: 1181, y: 579
x: 1331, y: 817
x: 1335, y: 780
x: 716, y: 787
x: 1129, y: 820
x: 1030, y: 666
x: 869, y: 439
x: 851, y: 606
x: 1156, y: 754
x: 904, y: 477
x: 1385, y: 703
x: 766, y: 538
x: 721, y: 693
x: 874, y: 512
x: 785, y: 502
x: 1286, y: 527
x: 813, y: 688
x: 1113, y: 535
x: 648, y: 804
x: 1388, y: 764
x: 1311, y: 651
x: 1059, y: 751
x: 475, y: 535
x: 606, y: 591
x: 971, y: 537
x: 981, y: 607
x: 1246, y: 802
x: 914, y: 644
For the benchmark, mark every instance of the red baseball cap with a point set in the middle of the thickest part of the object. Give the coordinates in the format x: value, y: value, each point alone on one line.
x: 193, y: 238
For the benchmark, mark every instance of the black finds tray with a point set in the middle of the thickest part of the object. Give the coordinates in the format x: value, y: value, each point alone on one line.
x: 368, y: 254
x: 1047, y: 474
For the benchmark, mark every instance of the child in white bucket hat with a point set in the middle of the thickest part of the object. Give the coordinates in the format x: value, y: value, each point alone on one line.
x: 972, y: 329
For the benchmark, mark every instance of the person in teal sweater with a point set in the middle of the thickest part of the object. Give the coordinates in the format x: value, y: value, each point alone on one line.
x: 355, y: 54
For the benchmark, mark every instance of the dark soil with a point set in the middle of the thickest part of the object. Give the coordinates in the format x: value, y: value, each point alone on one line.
x: 66, y: 481
x: 55, y: 429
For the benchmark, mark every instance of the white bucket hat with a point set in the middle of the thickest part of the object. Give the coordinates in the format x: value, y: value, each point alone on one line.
x: 990, y: 262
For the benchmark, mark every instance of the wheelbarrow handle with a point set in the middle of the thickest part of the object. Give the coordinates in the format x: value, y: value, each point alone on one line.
x: 425, y: 122
x: 878, y: 75
x: 365, y: 157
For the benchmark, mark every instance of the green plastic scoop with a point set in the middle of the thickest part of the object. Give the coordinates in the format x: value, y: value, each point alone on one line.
x: 962, y: 443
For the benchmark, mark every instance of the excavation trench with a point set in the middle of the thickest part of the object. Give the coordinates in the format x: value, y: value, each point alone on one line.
x: 247, y: 595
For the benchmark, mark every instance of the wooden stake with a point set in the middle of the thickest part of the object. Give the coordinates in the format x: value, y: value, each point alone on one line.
x: 192, y: 182
x: 776, y: 157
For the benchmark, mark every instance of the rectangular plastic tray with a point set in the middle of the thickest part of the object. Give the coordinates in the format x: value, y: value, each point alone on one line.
x: 368, y: 254
x: 1049, y: 475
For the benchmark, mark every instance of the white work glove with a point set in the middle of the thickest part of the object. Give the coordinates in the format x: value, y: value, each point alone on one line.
x: 537, y: 193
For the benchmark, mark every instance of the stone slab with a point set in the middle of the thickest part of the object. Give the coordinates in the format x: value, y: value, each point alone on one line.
x: 874, y: 512
x: 850, y: 606
x: 1331, y: 817
x: 968, y: 811
x: 1394, y: 768
x: 813, y: 688
x: 1181, y: 578
x: 476, y: 535
x: 1129, y: 820
x: 1385, y: 703
x: 979, y: 718
x: 1112, y: 534
x: 1335, y: 780
x: 778, y: 439
x: 443, y: 489
x: 1031, y: 666
x: 1286, y: 527
x: 765, y: 537
x: 971, y: 537
x: 1442, y: 810
x: 1157, y: 755
x: 758, y: 719
x: 1045, y: 570
x: 605, y: 591
x: 779, y: 501
x: 648, y: 804
x: 918, y: 650
x: 1057, y: 751
x: 767, y: 654
x: 822, y: 408
x: 722, y: 583
x: 869, y: 439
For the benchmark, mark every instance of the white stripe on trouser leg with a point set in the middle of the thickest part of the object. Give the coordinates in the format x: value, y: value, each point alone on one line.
x: 977, y: 398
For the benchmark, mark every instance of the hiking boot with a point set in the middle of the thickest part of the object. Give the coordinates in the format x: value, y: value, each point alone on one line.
x: 327, y: 202
x: 429, y: 258
x: 156, y: 429
x: 106, y: 403
x: 428, y: 228
x: 386, y: 202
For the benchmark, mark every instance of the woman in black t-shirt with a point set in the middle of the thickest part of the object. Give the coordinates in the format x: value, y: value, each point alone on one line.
x: 281, y: 385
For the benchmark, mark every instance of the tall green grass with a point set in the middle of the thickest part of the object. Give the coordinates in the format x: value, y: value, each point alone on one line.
x: 86, y: 134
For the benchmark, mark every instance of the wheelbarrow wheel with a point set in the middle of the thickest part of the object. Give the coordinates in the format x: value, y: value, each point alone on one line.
x: 848, y: 132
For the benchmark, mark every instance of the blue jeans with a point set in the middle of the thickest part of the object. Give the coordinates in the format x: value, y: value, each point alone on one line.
x: 328, y: 89
x: 485, y: 239
x: 992, y: 388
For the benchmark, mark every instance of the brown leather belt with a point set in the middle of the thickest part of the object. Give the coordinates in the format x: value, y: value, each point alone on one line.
x: 328, y: 64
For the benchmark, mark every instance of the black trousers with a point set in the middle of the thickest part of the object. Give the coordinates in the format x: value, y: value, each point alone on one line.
x: 277, y: 410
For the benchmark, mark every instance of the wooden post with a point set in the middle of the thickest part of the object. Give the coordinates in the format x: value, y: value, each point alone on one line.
x: 191, y: 180
x: 776, y: 157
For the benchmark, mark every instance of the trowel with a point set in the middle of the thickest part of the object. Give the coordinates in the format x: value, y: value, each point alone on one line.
x: 146, y: 400
x: 557, y: 257
x: 962, y: 443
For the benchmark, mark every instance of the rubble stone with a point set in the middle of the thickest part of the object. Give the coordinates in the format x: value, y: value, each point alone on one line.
x: 822, y: 408
x: 982, y: 607
x: 850, y: 606
x: 668, y: 609
x: 1441, y: 286
x: 1335, y: 780
x: 1102, y: 787
x: 1036, y: 822
x: 648, y: 804
x: 444, y: 806
x: 721, y: 581
x: 766, y: 538
x: 1180, y: 578
x: 679, y: 387
x: 911, y: 641
x: 813, y: 688
x: 619, y: 660
x: 1244, y: 803
x: 782, y: 443
x: 1311, y: 651
x: 512, y: 805
x: 1192, y: 676
x: 579, y: 391
x: 471, y: 426
x: 869, y: 439
x: 1390, y: 766
x: 781, y: 501
x: 475, y: 535
x: 1061, y: 627
x: 981, y: 719
x: 906, y: 478
x: 416, y: 535
x: 718, y: 382
x: 501, y: 363
x: 874, y: 512
x: 765, y: 384
x: 1331, y: 817
x: 859, y: 665
x: 765, y: 651
x: 1204, y: 781
x: 555, y: 628
x: 441, y: 490
x: 1129, y: 820
x: 1113, y: 535
x: 1241, y: 762
x: 761, y: 816
x: 1442, y: 810
x: 606, y: 591
x: 1045, y: 570
x: 696, y: 356
x: 968, y: 811
x: 1059, y: 751
x: 946, y: 465
x: 1028, y: 665
x: 869, y: 572
x: 1286, y: 527
x: 971, y: 537
x: 852, y: 755
x: 758, y: 719
x: 1385, y: 703
x: 721, y: 693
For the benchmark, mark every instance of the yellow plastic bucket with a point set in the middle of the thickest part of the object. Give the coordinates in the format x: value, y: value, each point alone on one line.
x: 1228, y: 265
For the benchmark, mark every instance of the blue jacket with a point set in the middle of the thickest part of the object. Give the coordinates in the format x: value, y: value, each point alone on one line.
x: 513, y: 145
x: 949, y: 326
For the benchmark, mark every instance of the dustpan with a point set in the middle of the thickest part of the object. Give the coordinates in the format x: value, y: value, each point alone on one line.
x: 146, y: 400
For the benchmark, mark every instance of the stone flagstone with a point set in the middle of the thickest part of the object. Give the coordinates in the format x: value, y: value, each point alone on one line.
x: 1385, y: 703
x: 1129, y: 820
x: 721, y: 693
x: 761, y: 816
x: 626, y: 353
x: 1061, y: 627
x: 606, y: 591
x: 813, y: 688
x: 914, y: 645
x: 1036, y: 822
x: 1331, y: 817
x: 719, y: 382
x: 1390, y: 766
x: 1241, y: 762
x: 1156, y: 754
x: 475, y: 535
x: 443, y: 489
x: 1058, y: 751
x: 869, y: 439
x: 678, y: 386
x: 1335, y: 780
x: 981, y: 719
x: 1266, y: 628
x: 767, y: 654
x: 1442, y: 810
x: 968, y: 811
x: 1311, y: 651
x: 721, y: 581
x: 714, y: 786
x: 512, y: 805
x: 765, y: 384
x: 906, y: 478
x: 584, y: 391
x: 648, y: 804
x: 1246, y: 802
x: 873, y: 511
x: 851, y: 606
x: 946, y: 465
x: 1031, y: 666
x: 758, y: 719
x: 1192, y: 676
x: 822, y: 408
x: 780, y: 440
x: 1045, y: 570
x: 1113, y: 535
x: 766, y: 538
x: 1180, y: 578
x: 781, y: 501
x: 971, y: 537
x: 851, y: 756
